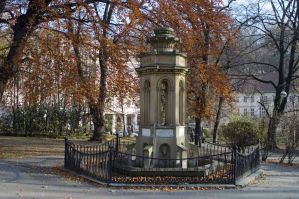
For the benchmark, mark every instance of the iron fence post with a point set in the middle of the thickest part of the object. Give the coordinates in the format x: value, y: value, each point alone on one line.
x: 110, y: 163
x: 117, y: 143
x: 259, y: 149
x: 65, y: 152
x: 235, y: 167
x: 259, y: 153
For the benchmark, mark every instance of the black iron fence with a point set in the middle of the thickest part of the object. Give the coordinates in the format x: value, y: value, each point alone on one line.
x: 93, y: 159
x: 113, y: 162
x: 247, y: 162
x: 208, y: 148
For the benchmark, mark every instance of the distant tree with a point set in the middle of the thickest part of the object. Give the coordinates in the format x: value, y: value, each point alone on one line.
x: 290, y: 130
x: 275, y: 30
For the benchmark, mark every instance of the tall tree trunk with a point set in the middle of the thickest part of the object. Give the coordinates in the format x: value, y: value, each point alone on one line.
x: 198, y: 132
x: 278, y: 109
x: 103, y: 59
x: 25, y: 25
x: 95, y: 113
x: 99, y: 130
x: 2, y: 5
x: 273, y: 124
x: 217, y: 120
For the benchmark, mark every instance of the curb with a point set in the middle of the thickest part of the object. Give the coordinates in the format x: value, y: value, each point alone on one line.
x: 122, y: 185
x: 211, y: 186
x: 244, y: 181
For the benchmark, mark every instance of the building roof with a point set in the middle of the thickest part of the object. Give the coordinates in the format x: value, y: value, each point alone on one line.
x: 251, y: 85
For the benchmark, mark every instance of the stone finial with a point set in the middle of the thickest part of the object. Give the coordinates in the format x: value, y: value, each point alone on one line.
x: 164, y: 40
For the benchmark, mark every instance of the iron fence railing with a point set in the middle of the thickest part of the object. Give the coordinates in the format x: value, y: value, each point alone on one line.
x: 208, y: 148
x: 112, y: 162
x: 247, y: 162
x: 92, y: 160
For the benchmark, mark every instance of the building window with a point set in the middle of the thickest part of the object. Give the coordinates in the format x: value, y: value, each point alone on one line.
x: 252, y: 112
x: 245, y: 99
x: 245, y: 111
x: 262, y: 112
x: 264, y: 98
x: 252, y: 98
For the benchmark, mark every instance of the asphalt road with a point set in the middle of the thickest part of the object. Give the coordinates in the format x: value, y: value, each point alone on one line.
x: 34, y: 178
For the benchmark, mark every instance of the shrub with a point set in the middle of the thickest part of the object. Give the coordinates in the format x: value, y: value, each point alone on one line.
x: 41, y: 120
x: 207, y: 132
x: 241, y: 133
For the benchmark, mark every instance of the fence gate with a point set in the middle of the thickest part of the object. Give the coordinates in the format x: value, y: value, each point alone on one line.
x: 93, y: 160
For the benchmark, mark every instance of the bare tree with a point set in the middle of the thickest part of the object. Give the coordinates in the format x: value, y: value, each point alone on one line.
x: 291, y: 132
x: 275, y: 28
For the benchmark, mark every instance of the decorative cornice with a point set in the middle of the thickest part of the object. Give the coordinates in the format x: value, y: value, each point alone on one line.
x: 162, y: 70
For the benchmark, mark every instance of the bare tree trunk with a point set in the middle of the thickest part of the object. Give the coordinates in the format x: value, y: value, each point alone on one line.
x: 271, y: 134
x: 103, y: 58
x: 99, y: 130
x: 217, y: 120
x: 198, y: 132
x: 95, y: 113
x: 2, y: 5
x: 271, y: 139
x: 25, y: 25
x: 124, y: 123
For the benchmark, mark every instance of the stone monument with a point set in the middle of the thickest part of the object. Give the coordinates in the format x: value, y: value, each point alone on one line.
x: 162, y: 100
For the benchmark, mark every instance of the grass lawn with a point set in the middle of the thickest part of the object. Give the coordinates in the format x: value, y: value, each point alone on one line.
x: 18, y: 147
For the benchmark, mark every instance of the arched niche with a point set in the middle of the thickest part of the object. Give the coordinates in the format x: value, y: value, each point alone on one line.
x: 147, y: 101
x: 164, y: 102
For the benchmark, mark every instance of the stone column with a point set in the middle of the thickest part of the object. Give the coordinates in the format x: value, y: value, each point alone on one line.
x: 135, y: 122
x: 113, y: 123
x: 125, y: 125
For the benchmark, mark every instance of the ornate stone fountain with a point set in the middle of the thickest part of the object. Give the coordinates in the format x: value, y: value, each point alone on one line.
x: 162, y: 100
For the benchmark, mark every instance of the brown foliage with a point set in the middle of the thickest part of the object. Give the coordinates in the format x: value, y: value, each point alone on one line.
x: 205, y: 29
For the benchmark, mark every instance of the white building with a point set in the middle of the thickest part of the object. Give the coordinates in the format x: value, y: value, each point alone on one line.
x: 255, y: 99
x: 124, y: 117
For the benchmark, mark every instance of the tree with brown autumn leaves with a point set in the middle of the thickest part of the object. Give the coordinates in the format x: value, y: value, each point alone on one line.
x: 84, y: 47
x: 95, y: 45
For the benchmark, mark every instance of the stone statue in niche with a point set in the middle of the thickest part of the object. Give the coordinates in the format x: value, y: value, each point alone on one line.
x: 163, y: 103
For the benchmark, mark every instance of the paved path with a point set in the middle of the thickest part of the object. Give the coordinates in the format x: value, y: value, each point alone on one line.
x: 33, y: 178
